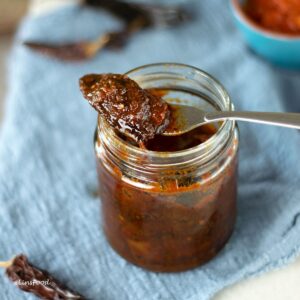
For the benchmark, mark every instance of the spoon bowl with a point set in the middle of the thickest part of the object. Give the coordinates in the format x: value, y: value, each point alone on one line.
x: 186, y: 118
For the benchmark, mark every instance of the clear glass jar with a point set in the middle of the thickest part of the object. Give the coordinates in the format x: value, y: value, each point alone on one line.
x: 170, y: 211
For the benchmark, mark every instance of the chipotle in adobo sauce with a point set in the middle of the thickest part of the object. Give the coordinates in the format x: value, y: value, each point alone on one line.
x: 173, y: 218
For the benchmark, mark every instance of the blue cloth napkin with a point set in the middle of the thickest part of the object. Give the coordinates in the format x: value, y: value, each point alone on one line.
x: 47, y: 170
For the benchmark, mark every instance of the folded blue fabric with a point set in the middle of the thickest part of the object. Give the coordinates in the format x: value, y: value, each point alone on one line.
x: 47, y: 169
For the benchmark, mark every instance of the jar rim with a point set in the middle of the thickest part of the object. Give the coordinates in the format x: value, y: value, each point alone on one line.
x: 136, y: 151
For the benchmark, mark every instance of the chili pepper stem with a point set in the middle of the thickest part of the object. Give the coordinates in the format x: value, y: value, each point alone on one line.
x: 6, y: 264
x: 97, y: 45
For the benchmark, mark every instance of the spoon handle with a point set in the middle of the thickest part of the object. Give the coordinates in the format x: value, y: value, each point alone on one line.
x: 291, y: 120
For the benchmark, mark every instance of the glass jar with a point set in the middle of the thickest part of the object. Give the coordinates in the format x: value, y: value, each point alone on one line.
x: 170, y: 211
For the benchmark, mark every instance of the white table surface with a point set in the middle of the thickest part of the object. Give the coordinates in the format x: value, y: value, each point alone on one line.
x: 283, y: 284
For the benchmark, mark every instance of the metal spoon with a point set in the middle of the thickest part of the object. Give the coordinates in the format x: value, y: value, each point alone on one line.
x: 188, y: 118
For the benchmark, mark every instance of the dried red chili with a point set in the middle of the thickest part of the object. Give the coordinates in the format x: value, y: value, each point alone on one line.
x: 135, y: 17
x: 82, y: 50
x: 36, y: 281
x: 69, y: 52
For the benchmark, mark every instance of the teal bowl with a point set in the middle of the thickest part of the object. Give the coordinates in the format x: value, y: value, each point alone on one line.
x: 281, y: 49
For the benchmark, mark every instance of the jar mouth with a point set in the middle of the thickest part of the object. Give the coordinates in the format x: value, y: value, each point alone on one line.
x: 191, y: 72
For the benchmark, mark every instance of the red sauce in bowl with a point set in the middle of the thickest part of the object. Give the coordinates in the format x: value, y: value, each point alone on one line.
x: 281, y: 16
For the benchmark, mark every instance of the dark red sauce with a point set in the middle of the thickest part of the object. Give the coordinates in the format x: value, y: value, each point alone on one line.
x: 282, y: 16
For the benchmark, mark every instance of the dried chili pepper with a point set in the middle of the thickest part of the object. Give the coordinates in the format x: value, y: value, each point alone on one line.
x: 135, y: 16
x: 36, y: 281
x: 70, y: 52
x: 87, y: 49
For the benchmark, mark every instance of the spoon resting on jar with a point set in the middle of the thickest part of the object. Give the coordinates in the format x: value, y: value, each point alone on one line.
x: 141, y: 115
x: 189, y: 117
